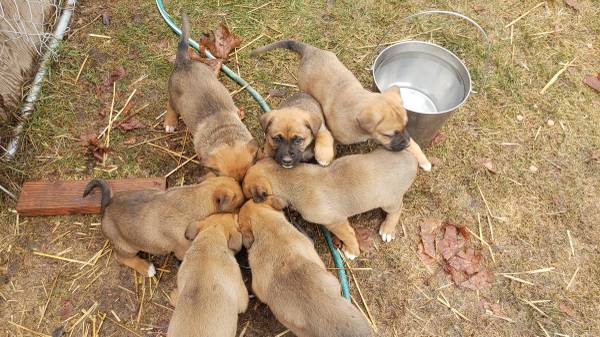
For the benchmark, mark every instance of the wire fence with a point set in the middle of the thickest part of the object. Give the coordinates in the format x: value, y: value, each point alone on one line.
x: 25, y: 29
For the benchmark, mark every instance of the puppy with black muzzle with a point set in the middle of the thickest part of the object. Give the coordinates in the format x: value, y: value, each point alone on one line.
x: 289, y: 276
x: 353, y: 113
x: 330, y: 195
x: 210, y: 290
x: 155, y: 222
x: 296, y: 131
x: 222, y: 142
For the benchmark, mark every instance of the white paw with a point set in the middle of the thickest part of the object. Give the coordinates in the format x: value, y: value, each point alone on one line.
x: 169, y: 128
x: 386, y: 237
x: 151, y: 270
x: 323, y: 162
x: 349, y: 255
x: 426, y: 166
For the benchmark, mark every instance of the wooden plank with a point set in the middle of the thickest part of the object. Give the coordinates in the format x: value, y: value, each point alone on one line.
x: 65, y: 197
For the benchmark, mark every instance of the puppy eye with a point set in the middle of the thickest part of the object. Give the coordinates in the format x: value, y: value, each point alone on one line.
x: 277, y: 139
x: 388, y: 135
x: 298, y: 140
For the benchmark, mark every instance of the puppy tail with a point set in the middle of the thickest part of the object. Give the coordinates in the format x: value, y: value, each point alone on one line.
x: 293, y: 45
x: 106, y: 192
x: 182, y: 47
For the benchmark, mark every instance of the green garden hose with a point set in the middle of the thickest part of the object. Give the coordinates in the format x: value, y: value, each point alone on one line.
x: 337, y: 260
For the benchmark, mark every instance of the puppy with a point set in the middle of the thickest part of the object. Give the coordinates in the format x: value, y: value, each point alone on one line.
x: 289, y: 276
x: 223, y: 143
x: 295, y: 130
x: 330, y: 195
x: 353, y: 113
x: 210, y: 291
x: 156, y: 221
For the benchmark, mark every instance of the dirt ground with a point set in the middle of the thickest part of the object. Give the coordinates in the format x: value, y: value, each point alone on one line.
x: 543, y: 201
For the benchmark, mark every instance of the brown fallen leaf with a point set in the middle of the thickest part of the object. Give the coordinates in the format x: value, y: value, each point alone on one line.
x: 595, y: 155
x: 438, y: 139
x: 488, y: 164
x: 220, y: 42
x: 109, y: 79
x: 424, y: 257
x: 566, y: 309
x: 448, y: 246
x: 242, y: 113
x: 131, y: 124
x: 214, y: 64
x: 593, y: 82
x: 428, y: 233
x: 467, y: 261
x: 573, y: 4
x: 97, y: 149
x: 479, y: 281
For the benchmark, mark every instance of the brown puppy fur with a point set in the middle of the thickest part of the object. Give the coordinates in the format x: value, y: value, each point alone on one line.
x: 330, y: 195
x: 296, y: 131
x: 210, y: 291
x: 221, y: 140
x: 156, y: 221
x: 353, y: 113
x: 289, y: 276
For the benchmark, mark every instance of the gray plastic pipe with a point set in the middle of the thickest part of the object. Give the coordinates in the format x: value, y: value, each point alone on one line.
x: 36, y: 86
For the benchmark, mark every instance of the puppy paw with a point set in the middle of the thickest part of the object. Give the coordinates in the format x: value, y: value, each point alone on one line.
x: 349, y: 255
x: 151, y: 270
x: 324, y: 156
x: 426, y: 166
x: 169, y: 129
x: 386, y: 236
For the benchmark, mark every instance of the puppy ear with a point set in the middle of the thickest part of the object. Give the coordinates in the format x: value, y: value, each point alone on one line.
x: 252, y: 147
x: 393, y: 93
x: 224, y: 199
x: 265, y: 121
x: 235, y: 241
x: 256, y: 188
x: 277, y: 203
x: 368, y: 119
x: 247, y: 239
x: 314, y: 123
x: 192, y: 230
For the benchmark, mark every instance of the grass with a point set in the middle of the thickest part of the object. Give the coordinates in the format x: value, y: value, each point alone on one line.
x: 537, y: 208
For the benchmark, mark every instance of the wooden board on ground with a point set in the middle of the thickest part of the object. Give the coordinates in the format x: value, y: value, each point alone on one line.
x: 65, y: 197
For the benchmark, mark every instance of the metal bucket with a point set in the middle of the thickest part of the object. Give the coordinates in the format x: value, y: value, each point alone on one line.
x: 433, y: 82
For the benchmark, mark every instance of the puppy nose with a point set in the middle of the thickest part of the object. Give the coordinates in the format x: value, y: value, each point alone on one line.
x: 287, y: 160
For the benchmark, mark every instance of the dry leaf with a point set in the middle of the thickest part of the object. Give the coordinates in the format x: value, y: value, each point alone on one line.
x: 479, y: 281
x: 365, y: 238
x: 109, y: 79
x: 131, y: 124
x: 242, y: 113
x: 466, y: 261
x: 428, y: 233
x: 566, y: 309
x: 220, y: 42
x: 593, y: 82
x: 489, y: 165
x: 424, y: 257
x: 214, y: 64
x: 448, y: 246
x: 438, y: 139
x: 94, y: 147
x: 573, y: 4
x: 595, y: 155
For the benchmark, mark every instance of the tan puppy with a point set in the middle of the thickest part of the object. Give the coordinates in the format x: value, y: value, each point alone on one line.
x: 221, y: 140
x: 210, y: 291
x: 353, y: 113
x: 295, y: 131
x: 330, y: 195
x: 156, y: 221
x: 289, y: 276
